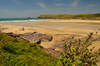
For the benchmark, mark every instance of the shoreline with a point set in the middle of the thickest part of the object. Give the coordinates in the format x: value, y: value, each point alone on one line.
x: 56, y: 20
x: 72, y: 20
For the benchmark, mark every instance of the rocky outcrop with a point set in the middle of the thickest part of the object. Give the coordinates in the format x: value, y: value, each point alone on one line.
x: 13, y: 35
x: 36, y: 37
x: 33, y: 37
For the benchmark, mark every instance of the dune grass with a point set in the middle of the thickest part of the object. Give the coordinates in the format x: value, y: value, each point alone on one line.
x: 15, y: 52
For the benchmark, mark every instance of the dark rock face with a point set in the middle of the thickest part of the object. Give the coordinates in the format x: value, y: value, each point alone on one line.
x: 12, y: 35
x: 32, y: 37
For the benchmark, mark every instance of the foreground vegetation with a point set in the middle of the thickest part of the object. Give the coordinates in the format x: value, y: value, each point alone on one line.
x: 72, y: 16
x: 76, y: 53
x: 14, y: 52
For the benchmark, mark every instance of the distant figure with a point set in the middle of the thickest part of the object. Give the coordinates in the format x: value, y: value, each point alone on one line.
x: 23, y: 29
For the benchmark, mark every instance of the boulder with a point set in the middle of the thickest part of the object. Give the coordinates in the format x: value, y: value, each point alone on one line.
x: 36, y: 37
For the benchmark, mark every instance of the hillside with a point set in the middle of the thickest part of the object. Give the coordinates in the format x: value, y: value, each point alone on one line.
x: 72, y: 16
x: 15, y: 52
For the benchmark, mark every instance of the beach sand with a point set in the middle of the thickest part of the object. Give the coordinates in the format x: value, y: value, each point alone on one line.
x: 57, y: 27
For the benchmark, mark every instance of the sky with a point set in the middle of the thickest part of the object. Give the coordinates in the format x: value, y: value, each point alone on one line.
x: 34, y: 8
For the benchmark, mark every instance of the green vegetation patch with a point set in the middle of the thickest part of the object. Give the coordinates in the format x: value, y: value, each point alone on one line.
x: 15, y: 52
x: 76, y: 53
x: 72, y: 16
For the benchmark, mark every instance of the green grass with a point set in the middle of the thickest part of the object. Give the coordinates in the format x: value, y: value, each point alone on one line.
x: 15, y: 52
x: 71, y: 16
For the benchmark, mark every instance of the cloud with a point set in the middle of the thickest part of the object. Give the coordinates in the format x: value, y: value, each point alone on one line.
x: 75, y: 3
x: 91, y: 5
x: 60, y: 4
x: 42, y: 5
x: 18, y: 13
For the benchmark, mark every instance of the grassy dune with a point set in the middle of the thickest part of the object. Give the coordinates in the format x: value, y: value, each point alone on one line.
x: 15, y: 52
x: 72, y: 16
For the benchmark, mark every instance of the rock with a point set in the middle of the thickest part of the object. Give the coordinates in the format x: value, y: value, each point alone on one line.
x: 36, y: 37
x: 13, y: 35
x: 52, y: 52
x: 32, y: 37
x: 43, y: 37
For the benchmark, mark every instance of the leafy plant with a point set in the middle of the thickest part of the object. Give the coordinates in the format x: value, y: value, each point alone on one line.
x: 76, y: 53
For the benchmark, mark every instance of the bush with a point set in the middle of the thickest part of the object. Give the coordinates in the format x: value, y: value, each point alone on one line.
x: 76, y: 53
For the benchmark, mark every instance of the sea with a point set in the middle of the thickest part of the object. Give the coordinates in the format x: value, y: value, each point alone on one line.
x: 19, y: 19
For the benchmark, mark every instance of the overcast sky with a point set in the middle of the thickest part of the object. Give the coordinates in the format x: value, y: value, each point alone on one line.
x: 33, y: 8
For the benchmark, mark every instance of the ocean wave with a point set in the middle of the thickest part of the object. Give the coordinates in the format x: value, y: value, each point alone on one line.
x: 21, y: 20
x: 26, y: 20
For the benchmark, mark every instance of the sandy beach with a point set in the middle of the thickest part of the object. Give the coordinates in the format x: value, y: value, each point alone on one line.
x: 58, y: 26
x: 53, y: 27
x: 58, y: 29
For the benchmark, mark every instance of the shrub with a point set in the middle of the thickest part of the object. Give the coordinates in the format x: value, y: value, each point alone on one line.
x: 76, y: 53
